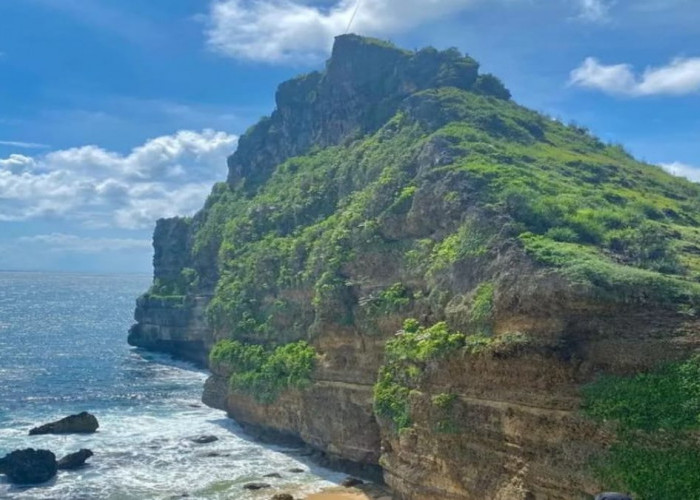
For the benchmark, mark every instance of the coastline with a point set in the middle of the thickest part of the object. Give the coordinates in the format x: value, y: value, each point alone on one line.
x: 363, y: 492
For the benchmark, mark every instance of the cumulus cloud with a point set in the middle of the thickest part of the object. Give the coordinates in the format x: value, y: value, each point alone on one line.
x: 166, y: 176
x: 682, y: 170
x: 291, y: 31
x: 681, y: 76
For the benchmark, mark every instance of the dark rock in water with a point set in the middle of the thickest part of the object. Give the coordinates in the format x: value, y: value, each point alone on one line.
x: 612, y: 496
x: 204, y: 439
x: 256, y: 486
x: 82, y: 423
x: 296, y: 470
x: 349, y: 482
x: 282, y: 496
x: 276, y: 475
x: 214, y: 454
x: 29, y: 466
x: 74, y: 460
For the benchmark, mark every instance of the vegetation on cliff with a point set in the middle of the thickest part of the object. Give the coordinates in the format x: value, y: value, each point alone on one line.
x: 265, y: 373
x: 417, y: 349
x: 401, y: 184
x: 657, y: 418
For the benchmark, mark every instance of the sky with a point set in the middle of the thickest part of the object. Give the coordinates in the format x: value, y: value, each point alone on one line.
x: 114, y: 113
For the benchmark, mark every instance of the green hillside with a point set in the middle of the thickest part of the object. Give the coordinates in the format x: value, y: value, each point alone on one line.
x: 395, y: 182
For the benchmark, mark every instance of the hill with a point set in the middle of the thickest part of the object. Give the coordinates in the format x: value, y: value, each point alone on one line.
x: 415, y: 275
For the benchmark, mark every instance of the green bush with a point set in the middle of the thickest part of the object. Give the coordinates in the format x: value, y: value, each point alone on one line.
x: 667, y: 399
x: 405, y: 359
x: 481, y: 310
x: 264, y: 374
x: 444, y: 401
x: 655, y: 413
x: 668, y: 473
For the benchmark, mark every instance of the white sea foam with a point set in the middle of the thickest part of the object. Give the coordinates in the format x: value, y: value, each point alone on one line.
x: 144, y: 451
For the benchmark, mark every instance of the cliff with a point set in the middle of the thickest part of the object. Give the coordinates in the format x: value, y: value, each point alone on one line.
x: 413, y: 274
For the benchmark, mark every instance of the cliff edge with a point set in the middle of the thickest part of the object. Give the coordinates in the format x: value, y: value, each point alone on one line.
x: 413, y: 274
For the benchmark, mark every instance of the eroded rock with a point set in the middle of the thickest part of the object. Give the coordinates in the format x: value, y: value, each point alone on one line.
x: 74, y: 460
x: 256, y: 486
x: 82, y: 423
x: 282, y: 496
x: 206, y: 439
x: 29, y: 466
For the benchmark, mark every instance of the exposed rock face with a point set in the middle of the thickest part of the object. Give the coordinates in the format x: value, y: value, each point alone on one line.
x: 402, y: 230
x: 334, y: 415
x: 29, y: 466
x: 75, y: 460
x: 359, y: 91
x: 175, y: 325
x: 171, y: 317
x: 82, y: 423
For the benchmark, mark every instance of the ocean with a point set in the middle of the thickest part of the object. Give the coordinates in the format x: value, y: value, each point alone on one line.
x: 63, y: 350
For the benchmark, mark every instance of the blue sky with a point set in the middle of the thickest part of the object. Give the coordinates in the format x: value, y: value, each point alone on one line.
x: 114, y: 113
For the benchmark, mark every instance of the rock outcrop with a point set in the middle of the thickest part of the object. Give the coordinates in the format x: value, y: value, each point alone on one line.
x: 82, y: 423
x: 463, y: 270
x: 75, y: 460
x: 29, y: 466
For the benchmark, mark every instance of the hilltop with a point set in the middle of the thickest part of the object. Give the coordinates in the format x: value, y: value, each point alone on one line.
x: 418, y: 277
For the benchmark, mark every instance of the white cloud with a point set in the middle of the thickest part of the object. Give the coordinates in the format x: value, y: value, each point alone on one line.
x: 681, y: 76
x: 24, y: 145
x: 290, y: 31
x: 594, y: 10
x: 70, y: 243
x: 682, y: 170
x: 166, y: 176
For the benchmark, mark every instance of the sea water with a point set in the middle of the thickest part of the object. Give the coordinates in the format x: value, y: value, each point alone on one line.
x: 63, y: 350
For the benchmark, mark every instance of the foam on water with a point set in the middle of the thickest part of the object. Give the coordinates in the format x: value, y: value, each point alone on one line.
x: 147, y: 405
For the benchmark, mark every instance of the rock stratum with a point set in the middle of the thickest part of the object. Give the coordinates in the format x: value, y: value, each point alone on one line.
x: 416, y: 276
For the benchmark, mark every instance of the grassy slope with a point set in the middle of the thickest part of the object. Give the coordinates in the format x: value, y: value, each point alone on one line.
x: 627, y: 231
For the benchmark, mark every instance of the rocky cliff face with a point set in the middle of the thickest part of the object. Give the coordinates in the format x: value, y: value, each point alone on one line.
x: 463, y: 270
x: 171, y: 316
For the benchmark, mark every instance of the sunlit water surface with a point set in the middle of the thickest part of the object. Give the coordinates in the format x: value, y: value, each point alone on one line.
x: 63, y: 350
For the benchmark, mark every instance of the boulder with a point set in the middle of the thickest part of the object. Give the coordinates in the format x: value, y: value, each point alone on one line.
x: 82, y: 423
x: 204, y: 439
x: 275, y: 475
x: 282, y: 496
x: 29, y: 466
x: 74, y: 460
x: 297, y: 470
x: 349, y: 482
x: 256, y: 486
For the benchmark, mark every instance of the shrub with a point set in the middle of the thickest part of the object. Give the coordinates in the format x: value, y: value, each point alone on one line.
x: 264, y: 374
x: 488, y: 84
x: 405, y: 359
x: 481, y: 310
x: 667, y: 399
x: 655, y: 456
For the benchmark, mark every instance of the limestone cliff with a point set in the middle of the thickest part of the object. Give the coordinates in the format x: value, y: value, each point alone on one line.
x: 411, y: 273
